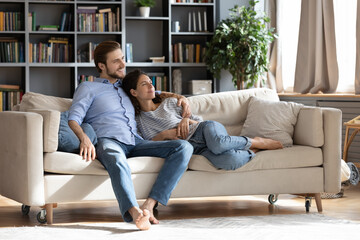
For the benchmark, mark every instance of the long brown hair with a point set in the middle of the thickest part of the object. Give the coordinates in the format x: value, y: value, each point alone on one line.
x: 129, y: 82
x: 102, y: 50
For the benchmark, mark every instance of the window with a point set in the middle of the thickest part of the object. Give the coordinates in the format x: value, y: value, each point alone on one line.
x: 345, y: 30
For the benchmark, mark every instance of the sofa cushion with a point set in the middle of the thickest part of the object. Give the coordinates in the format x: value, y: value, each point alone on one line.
x: 70, y: 163
x: 68, y: 141
x: 291, y: 157
x: 51, y: 121
x: 228, y: 108
x: 33, y: 100
x: 271, y: 119
x: 309, y: 129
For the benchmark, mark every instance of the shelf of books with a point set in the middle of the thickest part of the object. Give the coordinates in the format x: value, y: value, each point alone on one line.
x: 192, y: 26
x: 48, y: 46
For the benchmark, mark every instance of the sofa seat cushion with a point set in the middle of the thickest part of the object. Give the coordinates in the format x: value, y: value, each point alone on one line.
x: 70, y: 163
x: 291, y: 157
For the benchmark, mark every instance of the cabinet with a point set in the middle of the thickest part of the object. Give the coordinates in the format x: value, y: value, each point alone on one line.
x: 150, y: 37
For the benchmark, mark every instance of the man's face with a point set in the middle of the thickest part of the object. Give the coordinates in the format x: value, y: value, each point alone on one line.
x: 115, y: 64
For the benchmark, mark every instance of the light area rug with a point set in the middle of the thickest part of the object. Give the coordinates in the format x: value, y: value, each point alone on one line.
x: 296, y: 226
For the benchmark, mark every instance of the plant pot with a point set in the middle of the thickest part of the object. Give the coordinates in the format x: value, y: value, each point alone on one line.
x: 144, y: 11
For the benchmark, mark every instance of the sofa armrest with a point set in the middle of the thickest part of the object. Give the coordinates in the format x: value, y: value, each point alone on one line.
x: 21, y: 160
x: 332, y: 149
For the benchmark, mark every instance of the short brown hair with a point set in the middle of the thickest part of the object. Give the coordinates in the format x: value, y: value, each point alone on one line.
x: 102, y: 50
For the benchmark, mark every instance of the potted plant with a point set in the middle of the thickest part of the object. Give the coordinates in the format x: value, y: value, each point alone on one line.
x: 240, y: 45
x: 144, y: 6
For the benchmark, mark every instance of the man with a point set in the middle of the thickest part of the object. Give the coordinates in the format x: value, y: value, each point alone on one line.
x: 106, y: 107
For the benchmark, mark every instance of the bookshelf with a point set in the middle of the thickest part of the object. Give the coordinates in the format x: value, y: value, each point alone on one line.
x: 51, y: 74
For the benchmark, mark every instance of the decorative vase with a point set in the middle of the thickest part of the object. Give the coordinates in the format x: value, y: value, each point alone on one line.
x: 177, y: 81
x: 144, y: 11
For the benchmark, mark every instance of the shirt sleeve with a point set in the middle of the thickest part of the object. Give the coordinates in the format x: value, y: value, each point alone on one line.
x: 81, y: 103
x: 196, y: 118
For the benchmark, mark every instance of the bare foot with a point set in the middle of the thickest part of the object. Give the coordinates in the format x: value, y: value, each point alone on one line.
x: 149, y: 206
x: 265, y: 143
x: 141, y: 219
x: 255, y: 150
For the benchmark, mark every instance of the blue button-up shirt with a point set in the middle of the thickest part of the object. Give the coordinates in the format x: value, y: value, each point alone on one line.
x: 107, y: 108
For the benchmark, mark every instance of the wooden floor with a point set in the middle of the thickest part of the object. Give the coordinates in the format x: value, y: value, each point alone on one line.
x: 347, y: 207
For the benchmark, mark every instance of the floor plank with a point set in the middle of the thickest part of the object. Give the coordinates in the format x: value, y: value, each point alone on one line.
x: 347, y: 207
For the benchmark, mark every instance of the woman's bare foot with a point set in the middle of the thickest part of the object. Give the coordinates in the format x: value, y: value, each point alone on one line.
x: 140, y: 218
x: 149, y: 206
x: 265, y: 143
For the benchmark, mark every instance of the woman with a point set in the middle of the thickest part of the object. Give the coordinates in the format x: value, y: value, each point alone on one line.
x: 159, y: 120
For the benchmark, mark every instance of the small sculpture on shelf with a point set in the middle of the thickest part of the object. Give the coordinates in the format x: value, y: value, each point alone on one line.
x: 177, y: 81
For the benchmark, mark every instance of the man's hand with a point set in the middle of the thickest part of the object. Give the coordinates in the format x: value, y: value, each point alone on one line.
x: 184, y: 103
x: 183, y: 128
x: 87, y: 149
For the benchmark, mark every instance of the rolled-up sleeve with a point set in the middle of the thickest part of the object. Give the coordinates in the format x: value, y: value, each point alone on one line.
x: 81, y: 103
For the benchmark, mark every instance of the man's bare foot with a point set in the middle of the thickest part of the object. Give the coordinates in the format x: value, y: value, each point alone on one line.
x: 265, y: 143
x: 141, y: 218
x: 149, y: 206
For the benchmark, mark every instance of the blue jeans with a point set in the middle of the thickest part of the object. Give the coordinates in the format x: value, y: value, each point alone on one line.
x: 212, y: 141
x: 112, y: 154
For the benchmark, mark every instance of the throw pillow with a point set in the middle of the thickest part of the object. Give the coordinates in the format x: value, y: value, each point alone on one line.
x: 67, y: 140
x: 271, y: 119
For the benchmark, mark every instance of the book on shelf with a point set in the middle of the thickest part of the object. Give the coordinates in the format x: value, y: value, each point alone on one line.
x: 85, y: 78
x: 65, y: 22
x: 10, y: 21
x: 57, y: 49
x: 48, y: 28
x: 129, y: 53
x: 157, y: 59
x: 94, y: 20
x: 32, y: 21
x: 159, y: 80
x: 91, y: 49
x: 190, y: 53
x: 11, y: 50
x: 197, y: 21
x: 9, y: 97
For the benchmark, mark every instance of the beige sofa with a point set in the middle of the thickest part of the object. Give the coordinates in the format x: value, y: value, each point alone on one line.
x: 33, y: 173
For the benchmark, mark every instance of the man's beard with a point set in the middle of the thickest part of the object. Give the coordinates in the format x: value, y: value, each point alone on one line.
x: 114, y: 74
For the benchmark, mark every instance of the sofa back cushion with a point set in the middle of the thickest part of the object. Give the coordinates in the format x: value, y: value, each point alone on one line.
x: 51, y: 122
x: 228, y: 108
x: 33, y: 100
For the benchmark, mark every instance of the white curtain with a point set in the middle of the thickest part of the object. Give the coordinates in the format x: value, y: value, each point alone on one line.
x: 316, y: 65
x: 274, y: 75
x: 357, y: 66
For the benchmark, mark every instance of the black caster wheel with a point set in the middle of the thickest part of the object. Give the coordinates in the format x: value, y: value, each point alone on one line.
x: 41, y: 216
x: 25, y: 209
x: 307, y: 204
x: 272, y: 198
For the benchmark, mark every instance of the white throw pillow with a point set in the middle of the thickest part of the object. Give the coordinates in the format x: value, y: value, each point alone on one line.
x: 271, y: 119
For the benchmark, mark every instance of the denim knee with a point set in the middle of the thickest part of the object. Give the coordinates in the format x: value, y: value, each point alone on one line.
x: 186, y: 149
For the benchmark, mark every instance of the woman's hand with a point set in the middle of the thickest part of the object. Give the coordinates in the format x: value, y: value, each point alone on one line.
x: 170, y: 134
x: 183, y: 128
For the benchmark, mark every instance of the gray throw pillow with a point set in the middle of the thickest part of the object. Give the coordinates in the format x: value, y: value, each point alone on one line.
x: 271, y: 119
